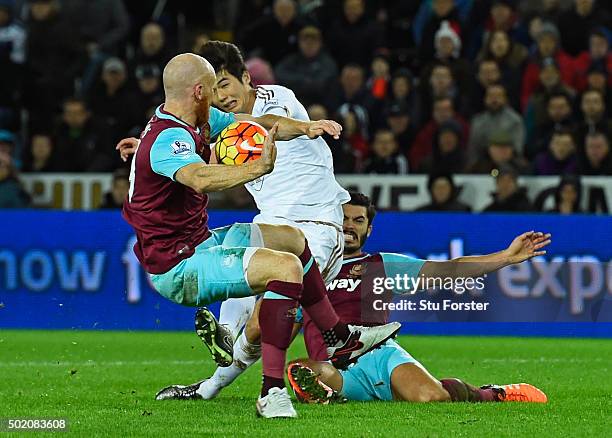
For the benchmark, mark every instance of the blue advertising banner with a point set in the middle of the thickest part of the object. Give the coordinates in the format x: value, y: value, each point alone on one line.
x: 77, y: 270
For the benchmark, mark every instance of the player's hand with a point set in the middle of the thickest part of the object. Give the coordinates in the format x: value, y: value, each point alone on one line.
x: 527, y: 245
x: 320, y: 127
x: 127, y: 147
x: 268, y: 152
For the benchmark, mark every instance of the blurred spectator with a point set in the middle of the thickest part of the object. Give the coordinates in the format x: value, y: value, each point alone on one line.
x: 316, y: 111
x: 448, y: 155
x: 54, y: 50
x: 536, y: 113
x: 354, y: 138
x: 260, y: 71
x: 443, y: 111
x: 149, y: 94
x: 353, y: 92
x: 598, y: 159
x: 597, y: 79
x: 378, y: 83
x: 510, y: 57
x: 199, y: 40
x: 400, y: 123
x: 488, y: 74
x: 84, y: 141
x: 448, y: 51
x: 152, y: 50
x: 567, y: 195
x: 598, y: 53
x: 499, y: 153
x: 385, y: 156
x: 311, y: 73
x: 354, y: 37
x: 119, y: 190
x: 594, y: 117
x: 42, y: 155
x: 272, y: 36
x: 576, y: 23
x: 7, y: 143
x: 498, y: 118
x: 112, y: 99
x: 560, y: 157
x: 508, y: 196
x: 12, y: 194
x: 443, y: 194
x: 547, y: 47
x: 402, y: 89
x: 442, y: 84
x: 442, y: 10
x: 12, y: 57
x: 559, y: 115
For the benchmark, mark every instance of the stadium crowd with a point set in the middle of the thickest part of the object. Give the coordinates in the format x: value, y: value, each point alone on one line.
x: 435, y: 87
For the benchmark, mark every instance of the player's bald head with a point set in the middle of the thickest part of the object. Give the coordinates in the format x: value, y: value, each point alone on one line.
x: 184, y: 72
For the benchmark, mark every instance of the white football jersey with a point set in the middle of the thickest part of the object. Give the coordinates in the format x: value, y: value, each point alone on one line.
x: 302, y: 185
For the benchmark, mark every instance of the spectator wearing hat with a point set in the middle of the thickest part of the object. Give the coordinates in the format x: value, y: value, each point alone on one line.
x: 597, y: 158
x: 152, y: 49
x: 354, y: 37
x: 448, y: 155
x: 568, y: 195
x: 576, y: 24
x: 508, y: 195
x: 114, y: 199
x: 443, y: 111
x: 560, y: 157
x: 149, y: 94
x: 274, y: 36
x: 400, y: 123
x: 441, y: 10
x: 547, y: 46
x: 385, y: 156
x: 443, y: 194
x: 53, y: 59
x: 84, y: 141
x: 497, y: 117
x: 500, y: 152
x: 12, y: 194
x: 113, y: 100
x: 598, y: 53
x: 311, y: 73
x: 448, y: 51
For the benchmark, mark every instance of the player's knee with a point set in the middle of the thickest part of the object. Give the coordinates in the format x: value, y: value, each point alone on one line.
x: 288, y: 268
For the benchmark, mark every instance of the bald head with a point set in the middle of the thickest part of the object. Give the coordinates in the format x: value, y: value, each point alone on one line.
x: 184, y: 73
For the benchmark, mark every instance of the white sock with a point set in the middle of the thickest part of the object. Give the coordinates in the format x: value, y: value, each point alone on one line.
x: 235, y: 313
x: 245, y: 355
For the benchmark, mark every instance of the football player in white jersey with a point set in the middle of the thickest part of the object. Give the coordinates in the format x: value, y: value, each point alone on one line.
x: 301, y: 191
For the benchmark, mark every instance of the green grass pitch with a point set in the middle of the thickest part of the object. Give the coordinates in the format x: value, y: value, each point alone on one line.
x: 104, y: 384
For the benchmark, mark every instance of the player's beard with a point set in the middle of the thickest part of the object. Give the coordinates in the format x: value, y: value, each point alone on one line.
x: 356, y: 244
x: 202, y: 112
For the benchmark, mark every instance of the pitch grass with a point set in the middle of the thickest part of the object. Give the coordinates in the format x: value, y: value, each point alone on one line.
x: 104, y: 384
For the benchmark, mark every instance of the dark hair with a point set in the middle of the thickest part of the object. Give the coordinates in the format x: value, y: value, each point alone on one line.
x: 563, y: 131
x: 76, y: 99
x: 574, y: 181
x: 224, y: 56
x: 363, y: 201
x: 559, y: 94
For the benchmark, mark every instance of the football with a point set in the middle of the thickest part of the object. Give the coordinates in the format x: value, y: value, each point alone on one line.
x: 239, y: 143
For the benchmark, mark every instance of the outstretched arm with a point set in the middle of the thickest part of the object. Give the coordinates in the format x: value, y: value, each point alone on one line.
x: 288, y: 128
x: 523, y: 247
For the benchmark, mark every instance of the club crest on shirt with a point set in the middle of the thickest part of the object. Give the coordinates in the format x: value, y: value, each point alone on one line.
x: 180, y: 147
x: 357, y: 270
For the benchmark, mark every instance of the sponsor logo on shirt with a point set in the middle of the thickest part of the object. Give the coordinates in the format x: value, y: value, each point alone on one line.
x: 180, y: 147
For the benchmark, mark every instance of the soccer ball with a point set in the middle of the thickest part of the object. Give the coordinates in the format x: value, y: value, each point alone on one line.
x: 239, y: 143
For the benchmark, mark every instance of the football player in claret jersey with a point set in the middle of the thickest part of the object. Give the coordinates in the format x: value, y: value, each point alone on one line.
x: 389, y: 372
x: 192, y: 265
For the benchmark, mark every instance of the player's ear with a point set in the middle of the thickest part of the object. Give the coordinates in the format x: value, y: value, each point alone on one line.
x: 369, y: 230
x: 246, y: 78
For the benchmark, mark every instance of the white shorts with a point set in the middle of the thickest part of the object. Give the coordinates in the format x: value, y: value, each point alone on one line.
x: 325, y: 239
